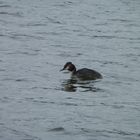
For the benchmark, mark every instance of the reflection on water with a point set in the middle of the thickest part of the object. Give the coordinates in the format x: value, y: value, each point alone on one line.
x: 37, y: 38
x: 71, y: 85
x: 68, y: 85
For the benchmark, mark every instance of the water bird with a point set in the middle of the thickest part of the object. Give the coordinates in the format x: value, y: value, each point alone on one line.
x: 82, y: 74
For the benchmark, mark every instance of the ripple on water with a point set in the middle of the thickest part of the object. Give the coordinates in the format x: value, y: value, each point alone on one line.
x: 57, y: 129
x: 16, y: 14
x: 6, y: 99
x: 108, y: 133
x: 5, y: 6
x: 36, y: 101
x: 2, y: 70
x: 21, y: 36
x: 17, y: 134
x: 72, y: 85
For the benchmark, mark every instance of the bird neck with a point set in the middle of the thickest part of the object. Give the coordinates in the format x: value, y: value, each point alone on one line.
x: 74, y: 71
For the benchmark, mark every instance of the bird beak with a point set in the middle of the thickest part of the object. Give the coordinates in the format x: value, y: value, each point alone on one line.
x: 62, y: 69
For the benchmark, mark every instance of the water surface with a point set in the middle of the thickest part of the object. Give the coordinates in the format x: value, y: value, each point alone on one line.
x: 37, y: 102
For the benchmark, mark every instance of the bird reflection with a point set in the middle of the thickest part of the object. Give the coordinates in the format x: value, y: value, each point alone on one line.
x: 71, y: 85
x: 68, y: 85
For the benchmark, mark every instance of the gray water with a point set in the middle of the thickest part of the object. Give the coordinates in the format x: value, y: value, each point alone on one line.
x: 37, y: 101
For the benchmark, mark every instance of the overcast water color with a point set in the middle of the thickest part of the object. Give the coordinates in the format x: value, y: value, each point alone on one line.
x: 37, y: 101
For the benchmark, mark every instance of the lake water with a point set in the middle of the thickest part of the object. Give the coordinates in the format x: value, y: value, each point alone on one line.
x: 37, y: 101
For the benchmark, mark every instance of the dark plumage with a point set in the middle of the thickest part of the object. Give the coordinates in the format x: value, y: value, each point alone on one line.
x: 84, y: 73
